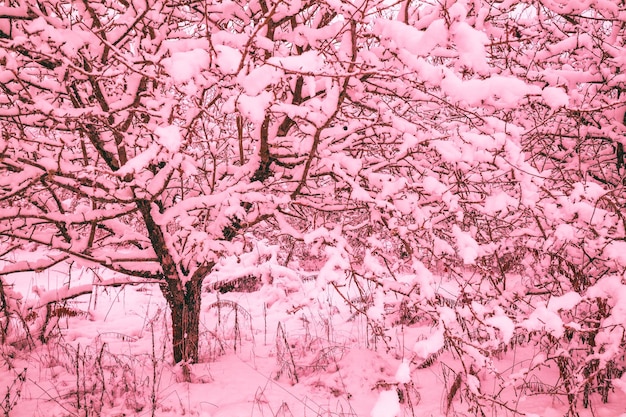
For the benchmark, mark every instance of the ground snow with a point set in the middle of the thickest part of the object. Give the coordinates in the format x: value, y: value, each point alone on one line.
x: 388, y: 405
x: 324, y: 361
x: 403, y: 374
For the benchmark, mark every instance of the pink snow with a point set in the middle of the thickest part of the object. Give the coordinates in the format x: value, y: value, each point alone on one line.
x: 388, y: 405
x: 184, y: 66
x: 307, y: 62
x: 424, y: 348
x: 555, y: 97
x: 228, y: 59
x: 471, y: 47
x: 403, y: 374
x: 504, y: 324
x: 139, y: 162
x: 566, y: 301
x: 468, y: 249
x: 169, y: 137
x: 543, y: 319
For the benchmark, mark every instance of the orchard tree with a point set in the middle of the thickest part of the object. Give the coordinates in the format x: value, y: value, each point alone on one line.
x: 510, y: 188
x: 95, y: 149
x: 152, y: 138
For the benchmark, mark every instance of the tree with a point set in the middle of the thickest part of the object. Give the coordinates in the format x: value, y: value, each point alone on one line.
x: 514, y: 193
x: 91, y: 149
x: 148, y: 137
x: 461, y: 161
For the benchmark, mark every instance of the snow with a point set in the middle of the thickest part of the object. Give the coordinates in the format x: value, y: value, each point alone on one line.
x: 260, y: 78
x: 504, y: 324
x: 403, y: 374
x: 503, y: 91
x: 307, y: 62
x: 564, y: 302
x: 499, y: 202
x: 425, y: 278
x: 413, y: 139
x: 228, y: 59
x: 169, y: 137
x: 555, y: 97
x: 432, y: 344
x: 620, y: 383
x: 254, y: 107
x: 441, y: 247
x: 184, y: 66
x: 239, y: 376
x: 139, y: 162
x: 388, y: 405
x: 542, y: 319
x: 376, y: 311
x: 128, y: 328
x: 19, y: 11
x: 433, y: 186
x: 471, y: 47
x: 616, y: 251
x: 468, y: 249
x: 448, y: 150
x: 473, y: 384
x: 416, y: 42
x: 587, y: 191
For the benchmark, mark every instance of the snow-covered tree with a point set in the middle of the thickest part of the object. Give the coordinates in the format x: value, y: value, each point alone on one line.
x: 461, y: 161
x: 515, y: 184
x: 148, y: 138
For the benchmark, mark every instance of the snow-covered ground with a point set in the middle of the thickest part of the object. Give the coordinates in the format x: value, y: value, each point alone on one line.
x: 109, y: 355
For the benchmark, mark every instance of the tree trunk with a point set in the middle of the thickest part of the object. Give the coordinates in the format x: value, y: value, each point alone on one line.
x: 184, y: 302
x: 183, y: 299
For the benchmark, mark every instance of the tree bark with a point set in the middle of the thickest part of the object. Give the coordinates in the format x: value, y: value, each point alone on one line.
x: 184, y: 303
x: 182, y: 293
